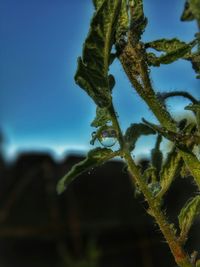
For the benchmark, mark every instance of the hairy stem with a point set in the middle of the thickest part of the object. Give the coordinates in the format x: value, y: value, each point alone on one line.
x: 181, y: 258
x: 132, y: 59
x: 179, y: 93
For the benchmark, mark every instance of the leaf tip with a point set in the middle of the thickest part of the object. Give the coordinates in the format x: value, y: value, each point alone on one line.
x: 60, y: 188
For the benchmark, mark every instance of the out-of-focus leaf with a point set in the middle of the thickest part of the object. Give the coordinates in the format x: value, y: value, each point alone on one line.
x: 123, y: 21
x: 92, y: 73
x: 188, y: 214
x: 94, y: 158
x: 157, y: 156
x: 102, y: 117
x: 197, y: 263
x: 134, y: 132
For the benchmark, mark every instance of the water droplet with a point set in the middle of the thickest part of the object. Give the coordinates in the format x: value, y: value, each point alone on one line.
x: 108, y: 137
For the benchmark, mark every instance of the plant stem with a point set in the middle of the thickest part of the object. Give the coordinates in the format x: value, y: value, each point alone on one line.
x: 133, y: 61
x: 181, y: 258
x: 131, y: 58
x: 179, y: 93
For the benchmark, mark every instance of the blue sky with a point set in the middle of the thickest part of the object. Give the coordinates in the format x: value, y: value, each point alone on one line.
x: 41, y: 108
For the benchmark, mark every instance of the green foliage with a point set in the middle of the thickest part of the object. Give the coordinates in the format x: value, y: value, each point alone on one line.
x: 192, y: 164
x: 188, y: 214
x: 102, y: 117
x: 138, y: 20
x: 174, y: 49
x: 191, y: 11
x: 120, y: 23
x: 92, y: 73
x: 95, y: 157
x: 196, y: 109
x: 123, y: 22
x: 134, y: 131
x: 98, y: 3
x: 170, y: 170
x: 166, y: 45
x: 194, y: 58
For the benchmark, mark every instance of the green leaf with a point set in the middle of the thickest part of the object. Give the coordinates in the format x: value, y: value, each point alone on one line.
x: 123, y: 21
x: 92, y: 83
x: 95, y: 157
x: 174, y: 50
x: 188, y: 214
x: 194, y: 58
x: 92, y: 73
x: 134, y: 132
x: 192, y: 163
x: 98, y: 3
x: 138, y: 20
x: 166, y: 45
x: 102, y: 117
x: 191, y: 11
x: 170, y: 170
x: 187, y: 13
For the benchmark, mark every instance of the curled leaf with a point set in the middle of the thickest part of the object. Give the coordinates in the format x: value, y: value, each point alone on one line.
x: 134, y: 132
x: 94, y: 158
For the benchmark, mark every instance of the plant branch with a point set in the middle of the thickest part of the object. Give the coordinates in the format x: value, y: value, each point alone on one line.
x: 132, y: 58
x: 184, y: 94
x: 181, y: 258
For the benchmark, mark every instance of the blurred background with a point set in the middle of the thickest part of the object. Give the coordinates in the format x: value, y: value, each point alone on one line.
x: 45, y: 128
